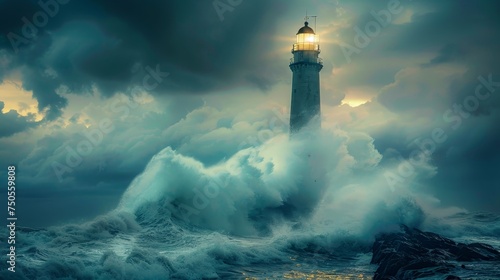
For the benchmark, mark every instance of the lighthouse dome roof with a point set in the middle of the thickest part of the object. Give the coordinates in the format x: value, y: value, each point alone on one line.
x: 305, y: 29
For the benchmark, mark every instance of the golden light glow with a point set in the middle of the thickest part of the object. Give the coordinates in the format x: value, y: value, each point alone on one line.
x: 306, y: 38
x: 354, y: 102
x: 16, y: 98
x: 358, y: 95
x: 306, y: 42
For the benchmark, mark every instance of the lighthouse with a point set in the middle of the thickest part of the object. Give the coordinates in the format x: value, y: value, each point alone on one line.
x: 305, y: 65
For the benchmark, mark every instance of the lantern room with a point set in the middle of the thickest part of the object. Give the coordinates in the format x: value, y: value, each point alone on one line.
x: 307, y: 40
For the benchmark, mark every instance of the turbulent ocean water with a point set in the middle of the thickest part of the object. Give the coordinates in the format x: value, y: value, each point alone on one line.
x: 120, y: 246
x: 305, y: 208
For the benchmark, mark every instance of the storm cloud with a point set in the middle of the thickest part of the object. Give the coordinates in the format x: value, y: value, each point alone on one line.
x: 107, y: 46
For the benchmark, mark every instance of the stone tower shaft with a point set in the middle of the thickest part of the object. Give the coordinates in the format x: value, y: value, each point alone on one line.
x: 305, y: 106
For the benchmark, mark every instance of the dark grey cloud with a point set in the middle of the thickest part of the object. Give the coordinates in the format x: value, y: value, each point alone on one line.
x: 12, y: 122
x: 100, y: 43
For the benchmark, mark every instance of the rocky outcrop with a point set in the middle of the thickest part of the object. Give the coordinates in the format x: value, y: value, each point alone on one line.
x: 411, y: 254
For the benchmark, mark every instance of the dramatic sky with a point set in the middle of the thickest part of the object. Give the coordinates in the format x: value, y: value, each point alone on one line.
x: 91, y: 90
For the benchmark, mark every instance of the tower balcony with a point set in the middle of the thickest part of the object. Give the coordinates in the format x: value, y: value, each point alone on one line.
x: 314, y: 60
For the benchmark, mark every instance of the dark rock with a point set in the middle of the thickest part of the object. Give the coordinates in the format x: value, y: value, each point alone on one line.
x: 453, y: 277
x: 477, y: 251
x: 411, y: 254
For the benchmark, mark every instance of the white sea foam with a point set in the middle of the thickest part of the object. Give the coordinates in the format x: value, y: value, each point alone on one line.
x: 288, y: 202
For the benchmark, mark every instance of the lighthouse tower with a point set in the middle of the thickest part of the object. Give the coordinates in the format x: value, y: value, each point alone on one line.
x: 305, y: 65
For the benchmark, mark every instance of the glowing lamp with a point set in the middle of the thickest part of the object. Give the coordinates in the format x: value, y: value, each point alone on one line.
x: 307, y: 40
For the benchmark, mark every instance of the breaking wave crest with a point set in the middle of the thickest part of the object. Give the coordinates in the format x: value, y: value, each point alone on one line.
x: 305, y: 200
